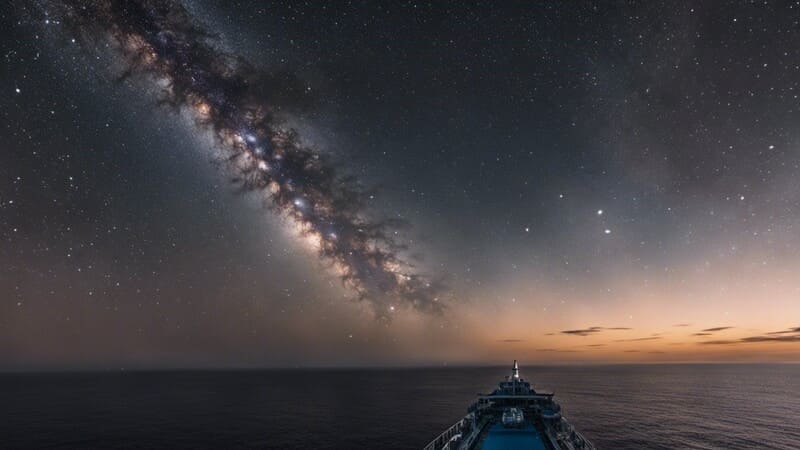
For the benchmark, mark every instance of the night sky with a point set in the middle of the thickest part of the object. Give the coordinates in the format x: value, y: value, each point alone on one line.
x: 238, y: 184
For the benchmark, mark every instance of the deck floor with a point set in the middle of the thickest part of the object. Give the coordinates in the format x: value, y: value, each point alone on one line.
x: 501, y: 438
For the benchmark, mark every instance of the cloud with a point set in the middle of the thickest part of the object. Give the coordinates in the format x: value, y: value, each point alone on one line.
x: 794, y: 338
x: 585, y: 332
x: 721, y: 342
x: 787, y: 335
x: 591, y: 330
x: 649, y: 338
x: 511, y: 340
x: 791, y: 335
x: 682, y: 325
x: 556, y: 350
x: 789, y: 331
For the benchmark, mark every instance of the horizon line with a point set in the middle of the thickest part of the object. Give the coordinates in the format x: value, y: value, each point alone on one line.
x: 76, y: 370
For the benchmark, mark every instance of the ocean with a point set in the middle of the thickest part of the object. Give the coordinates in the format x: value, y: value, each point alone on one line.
x: 725, y: 406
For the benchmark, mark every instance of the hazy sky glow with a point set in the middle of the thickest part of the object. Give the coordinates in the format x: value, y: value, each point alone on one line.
x: 567, y: 184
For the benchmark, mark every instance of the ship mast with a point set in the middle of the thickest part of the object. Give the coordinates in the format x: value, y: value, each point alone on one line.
x: 515, y: 377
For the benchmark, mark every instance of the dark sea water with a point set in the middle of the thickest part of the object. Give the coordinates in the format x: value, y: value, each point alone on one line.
x: 617, y: 407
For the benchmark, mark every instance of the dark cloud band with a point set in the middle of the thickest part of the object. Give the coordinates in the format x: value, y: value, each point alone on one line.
x: 592, y: 330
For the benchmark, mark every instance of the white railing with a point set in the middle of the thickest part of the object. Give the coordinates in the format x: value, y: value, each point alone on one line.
x: 575, y: 437
x: 446, y: 436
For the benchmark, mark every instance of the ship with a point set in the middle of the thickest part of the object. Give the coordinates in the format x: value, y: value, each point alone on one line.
x: 513, y: 416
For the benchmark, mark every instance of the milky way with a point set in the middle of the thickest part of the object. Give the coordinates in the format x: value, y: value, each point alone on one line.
x: 240, y: 104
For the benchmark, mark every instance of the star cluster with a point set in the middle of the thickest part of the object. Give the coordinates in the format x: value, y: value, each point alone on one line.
x: 236, y: 100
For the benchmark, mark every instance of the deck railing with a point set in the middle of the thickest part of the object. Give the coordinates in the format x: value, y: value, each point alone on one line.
x: 446, y: 436
x: 577, y: 438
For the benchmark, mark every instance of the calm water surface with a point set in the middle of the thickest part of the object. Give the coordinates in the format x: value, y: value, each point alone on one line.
x: 617, y: 407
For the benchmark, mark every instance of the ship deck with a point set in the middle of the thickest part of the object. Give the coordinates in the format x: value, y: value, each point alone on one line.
x: 501, y: 438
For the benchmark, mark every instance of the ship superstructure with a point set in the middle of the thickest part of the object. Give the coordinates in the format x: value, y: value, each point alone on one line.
x: 513, y: 416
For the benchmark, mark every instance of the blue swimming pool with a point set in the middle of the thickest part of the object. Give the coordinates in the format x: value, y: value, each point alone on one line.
x: 501, y: 438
